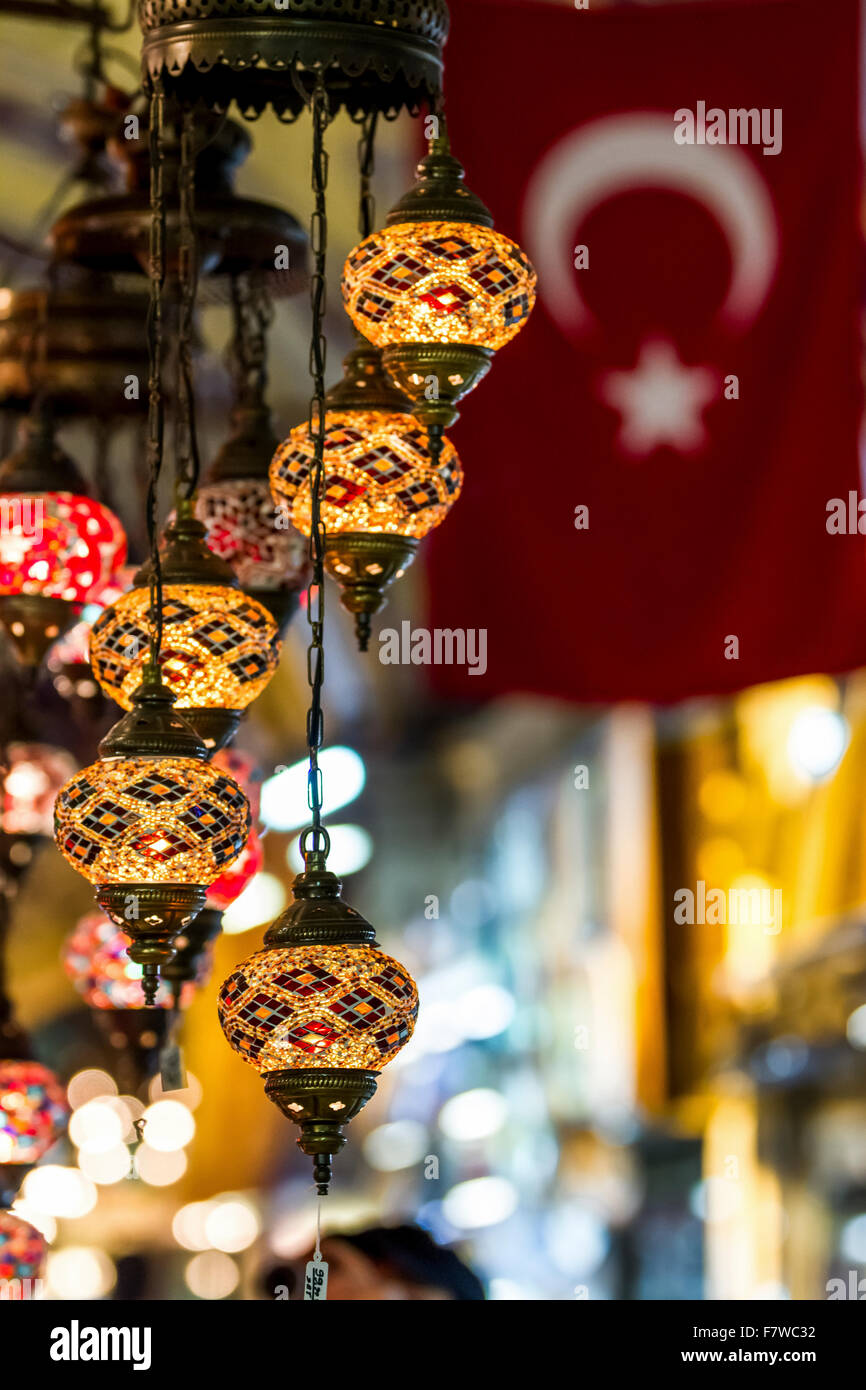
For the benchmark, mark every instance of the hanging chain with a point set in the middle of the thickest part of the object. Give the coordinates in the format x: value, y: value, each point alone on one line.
x: 188, y: 462
x: 156, y: 405
x: 253, y: 314
x: 316, y: 588
x: 366, y: 157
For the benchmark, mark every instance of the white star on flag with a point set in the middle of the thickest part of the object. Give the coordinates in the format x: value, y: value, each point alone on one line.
x: 660, y: 401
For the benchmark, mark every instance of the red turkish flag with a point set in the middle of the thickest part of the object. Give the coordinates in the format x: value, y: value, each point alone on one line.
x: 695, y: 386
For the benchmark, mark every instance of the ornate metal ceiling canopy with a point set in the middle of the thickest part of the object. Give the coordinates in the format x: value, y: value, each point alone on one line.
x: 376, y: 55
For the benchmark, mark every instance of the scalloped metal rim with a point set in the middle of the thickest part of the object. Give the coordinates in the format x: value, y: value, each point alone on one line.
x: 404, y: 63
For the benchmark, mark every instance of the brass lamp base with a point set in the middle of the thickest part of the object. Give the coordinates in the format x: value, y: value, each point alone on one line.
x: 32, y: 622
x: 456, y: 368
x: 321, y: 1101
x: 215, y: 727
x: 152, y: 915
x: 365, y: 564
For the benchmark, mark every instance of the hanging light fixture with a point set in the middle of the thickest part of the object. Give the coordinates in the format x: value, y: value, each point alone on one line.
x: 22, y: 1255
x: 220, y: 646
x: 321, y: 1009
x: 57, y: 544
x: 96, y: 959
x: 381, y: 492
x: 33, y: 1110
x: 438, y: 290
x: 35, y: 772
x: 152, y: 824
x: 268, y: 555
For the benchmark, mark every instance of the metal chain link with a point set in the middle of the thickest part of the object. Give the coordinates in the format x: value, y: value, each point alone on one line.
x: 316, y: 424
x: 156, y: 405
x: 188, y: 461
x: 366, y: 164
x: 253, y: 314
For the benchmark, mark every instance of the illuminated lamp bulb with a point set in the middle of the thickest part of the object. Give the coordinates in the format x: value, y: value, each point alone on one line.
x: 219, y: 646
x: 268, y: 555
x: 438, y: 290
x: 57, y: 544
x: 22, y: 1255
x: 382, y: 493
x: 319, y: 1012
x: 33, y: 1114
x: 35, y: 772
x: 96, y: 959
x: 151, y: 825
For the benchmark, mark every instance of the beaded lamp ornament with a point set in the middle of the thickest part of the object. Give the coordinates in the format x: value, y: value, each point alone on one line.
x: 438, y: 290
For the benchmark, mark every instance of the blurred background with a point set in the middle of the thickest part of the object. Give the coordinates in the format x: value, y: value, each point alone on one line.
x: 602, y: 1099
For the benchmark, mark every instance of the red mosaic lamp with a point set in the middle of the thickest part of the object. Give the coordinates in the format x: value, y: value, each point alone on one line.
x: 57, y: 544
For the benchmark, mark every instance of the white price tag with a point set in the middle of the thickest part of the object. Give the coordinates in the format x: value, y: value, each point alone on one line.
x: 316, y: 1281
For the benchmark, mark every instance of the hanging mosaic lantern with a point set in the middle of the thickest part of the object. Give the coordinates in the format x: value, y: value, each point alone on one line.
x: 319, y: 1012
x: 33, y: 1110
x: 232, y: 882
x: 376, y: 56
x: 438, y: 290
x: 268, y: 555
x: 22, y: 1256
x: 96, y: 959
x: 57, y: 545
x: 151, y: 825
x: 381, y: 492
x: 219, y: 646
x: 35, y: 773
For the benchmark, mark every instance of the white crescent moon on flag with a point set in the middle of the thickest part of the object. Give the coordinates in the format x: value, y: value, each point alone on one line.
x: 616, y: 153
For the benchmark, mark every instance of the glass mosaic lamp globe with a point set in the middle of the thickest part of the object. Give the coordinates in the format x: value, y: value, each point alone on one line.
x: 438, y: 289
x: 35, y: 772
x: 57, y: 544
x: 220, y: 646
x: 96, y: 959
x: 319, y: 1012
x: 22, y: 1255
x: 33, y: 1110
x: 382, y: 493
x: 151, y: 824
x: 268, y: 555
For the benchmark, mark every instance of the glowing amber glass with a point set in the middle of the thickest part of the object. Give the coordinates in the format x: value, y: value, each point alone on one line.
x: 378, y: 475
x: 97, y: 962
x: 151, y: 820
x: 219, y: 646
x: 438, y: 282
x: 318, y: 1006
x: 33, y: 1111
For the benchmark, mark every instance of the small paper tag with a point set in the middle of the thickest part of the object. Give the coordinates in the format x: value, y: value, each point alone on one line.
x: 316, y: 1281
x: 171, y: 1069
